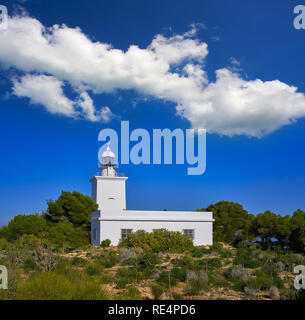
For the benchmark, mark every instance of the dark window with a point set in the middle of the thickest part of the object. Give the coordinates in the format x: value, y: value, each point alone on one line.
x: 190, y: 233
x: 125, y: 232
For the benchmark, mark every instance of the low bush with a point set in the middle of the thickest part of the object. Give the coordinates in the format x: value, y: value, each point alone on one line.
x: 260, y: 282
x: 148, y: 260
x: 129, y: 273
x: 186, y: 261
x: 179, y: 274
x: 108, y: 259
x: 80, y: 262
x: 169, y: 241
x: 105, y: 243
x: 195, y: 286
x: 177, y: 296
x: 122, y: 283
x: 166, y: 279
x: 250, y: 292
x: 197, y: 253
x: 157, y: 291
x: 244, y: 257
x: 51, y: 285
x: 93, y: 269
x: 132, y: 293
x: 237, y: 272
x: 29, y: 265
x: 126, y: 254
x: 238, y: 284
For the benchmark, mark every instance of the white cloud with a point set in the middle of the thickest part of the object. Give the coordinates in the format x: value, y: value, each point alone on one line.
x: 86, y: 103
x: 232, y: 106
x: 45, y: 90
x: 171, y: 68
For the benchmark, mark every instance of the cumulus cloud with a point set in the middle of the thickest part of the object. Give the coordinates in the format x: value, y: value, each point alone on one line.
x: 231, y: 105
x: 170, y: 68
x: 45, y: 90
x: 87, y: 105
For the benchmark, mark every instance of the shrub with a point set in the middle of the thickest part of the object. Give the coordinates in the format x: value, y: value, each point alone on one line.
x: 108, y: 259
x: 148, y: 260
x: 280, y: 266
x: 157, y: 291
x: 250, y: 292
x: 203, y: 276
x: 278, y: 282
x: 245, y: 259
x: 179, y: 274
x: 105, y: 243
x: 238, y: 284
x: 185, y: 261
x: 214, y: 263
x: 51, y: 285
x: 274, y: 293
x: 260, y: 282
x: 191, y: 275
x: 166, y: 279
x: 216, y: 280
x: 126, y: 254
x: 225, y: 253
x: 177, y: 296
x: 197, y: 253
x: 238, y: 273
x: 130, y: 273
x: 159, y: 239
x: 29, y: 265
x: 122, y: 283
x: 132, y: 293
x: 80, y: 262
x: 195, y: 287
x: 93, y: 270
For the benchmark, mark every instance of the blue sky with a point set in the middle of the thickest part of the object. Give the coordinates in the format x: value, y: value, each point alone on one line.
x: 256, y: 160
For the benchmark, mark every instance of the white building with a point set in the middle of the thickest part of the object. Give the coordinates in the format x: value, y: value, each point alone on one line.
x: 112, y: 221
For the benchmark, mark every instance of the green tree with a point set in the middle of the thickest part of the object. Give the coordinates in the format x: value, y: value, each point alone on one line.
x: 283, y: 229
x: 265, y: 227
x: 73, y: 207
x: 232, y: 221
x: 65, y: 233
x: 32, y: 224
x: 297, y: 236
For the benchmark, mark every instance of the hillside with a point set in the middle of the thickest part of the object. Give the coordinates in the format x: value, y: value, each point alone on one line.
x: 218, y: 272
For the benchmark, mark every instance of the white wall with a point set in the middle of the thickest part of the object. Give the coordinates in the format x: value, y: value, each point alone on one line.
x: 109, y: 192
x: 112, y: 229
x: 111, y: 223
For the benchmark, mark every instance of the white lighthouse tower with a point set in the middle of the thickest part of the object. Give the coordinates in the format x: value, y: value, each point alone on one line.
x: 112, y: 221
x: 108, y: 189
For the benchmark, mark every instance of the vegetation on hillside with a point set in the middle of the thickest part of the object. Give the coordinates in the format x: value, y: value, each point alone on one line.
x: 48, y: 256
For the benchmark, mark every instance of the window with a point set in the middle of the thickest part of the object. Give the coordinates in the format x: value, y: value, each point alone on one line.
x: 94, y: 234
x: 125, y: 232
x: 190, y: 233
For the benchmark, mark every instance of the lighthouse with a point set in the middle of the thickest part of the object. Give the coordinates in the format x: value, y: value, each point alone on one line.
x: 108, y: 188
x: 112, y: 221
